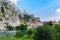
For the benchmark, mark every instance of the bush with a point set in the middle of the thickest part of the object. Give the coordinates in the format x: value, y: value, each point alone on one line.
x: 58, y: 36
x: 19, y: 34
x: 10, y: 28
x: 21, y: 30
x: 29, y: 32
x: 22, y: 27
x: 44, y: 33
x: 50, y: 23
x: 57, y: 27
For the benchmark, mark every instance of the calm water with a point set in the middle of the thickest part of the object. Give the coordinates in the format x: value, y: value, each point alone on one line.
x: 7, y: 33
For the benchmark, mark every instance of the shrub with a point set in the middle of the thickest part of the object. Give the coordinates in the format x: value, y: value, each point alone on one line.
x: 21, y: 27
x: 44, y: 33
x: 58, y: 36
x: 21, y: 30
x: 50, y: 23
x: 10, y: 28
x: 57, y: 27
x: 29, y: 32
x: 19, y: 34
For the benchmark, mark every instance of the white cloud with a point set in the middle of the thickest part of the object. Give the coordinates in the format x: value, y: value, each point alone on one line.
x: 52, y: 18
x: 55, y: 17
x: 58, y: 10
x: 14, y: 1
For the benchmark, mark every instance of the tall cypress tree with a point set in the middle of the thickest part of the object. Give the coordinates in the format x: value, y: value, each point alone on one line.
x: 2, y: 9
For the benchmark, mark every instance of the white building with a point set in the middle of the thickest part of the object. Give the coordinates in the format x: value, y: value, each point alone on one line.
x: 34, y: 25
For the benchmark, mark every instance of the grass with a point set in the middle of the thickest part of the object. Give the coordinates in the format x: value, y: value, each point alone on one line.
x: 23, y: 38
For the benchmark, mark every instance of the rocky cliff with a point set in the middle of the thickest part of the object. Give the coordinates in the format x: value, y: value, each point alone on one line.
x: 10, y: 14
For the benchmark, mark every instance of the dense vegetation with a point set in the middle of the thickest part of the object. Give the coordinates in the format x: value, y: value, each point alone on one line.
x: 44, y: 32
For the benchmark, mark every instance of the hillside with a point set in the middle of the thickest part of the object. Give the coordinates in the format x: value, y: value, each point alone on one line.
x: 11, y: 15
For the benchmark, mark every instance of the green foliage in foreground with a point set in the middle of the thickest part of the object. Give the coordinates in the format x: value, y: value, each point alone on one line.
x: 45, y: 33
x: 29, y: 32
x: 57, y: 27
x: 58, y: 36
x: 19, y: 34
x: 24, y: 38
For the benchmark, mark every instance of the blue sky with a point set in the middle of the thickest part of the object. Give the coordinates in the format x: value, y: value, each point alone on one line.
x: 44, y: 9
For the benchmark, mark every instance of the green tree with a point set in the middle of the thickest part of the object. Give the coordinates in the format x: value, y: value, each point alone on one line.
x: 10, y: 28
x: 45, y: 33
x: 57, y: 27
x: 20, y: 17
x: 19, y: 34
x: 2, y: 9
x: 50, y: 23
x: 21, y: 30
x: 30, y: 32
x: 21, y: 27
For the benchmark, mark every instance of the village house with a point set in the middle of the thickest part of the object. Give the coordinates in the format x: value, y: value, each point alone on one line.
x: 34, y: 24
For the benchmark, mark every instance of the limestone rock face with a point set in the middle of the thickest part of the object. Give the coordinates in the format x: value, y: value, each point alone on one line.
x: 9, y: 13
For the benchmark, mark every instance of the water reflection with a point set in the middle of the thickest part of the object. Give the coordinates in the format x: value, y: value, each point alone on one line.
x: 4, y: 34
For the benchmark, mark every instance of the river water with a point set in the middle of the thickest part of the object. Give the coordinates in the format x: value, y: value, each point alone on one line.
x: 4, y: 34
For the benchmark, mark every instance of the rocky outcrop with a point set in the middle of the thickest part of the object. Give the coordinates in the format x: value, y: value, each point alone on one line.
x: 10, y: 14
